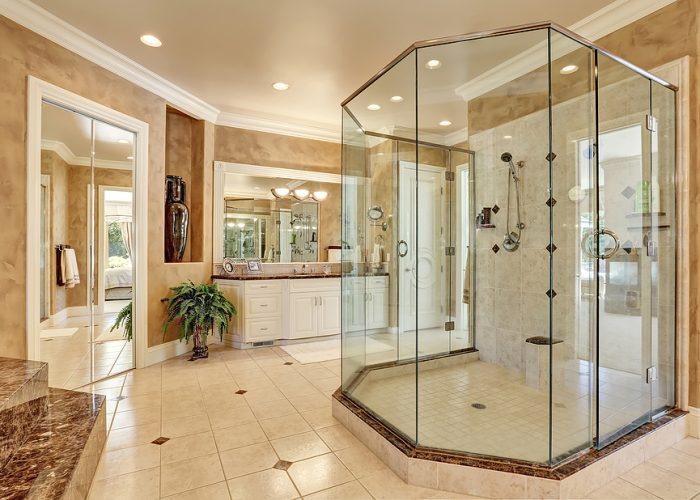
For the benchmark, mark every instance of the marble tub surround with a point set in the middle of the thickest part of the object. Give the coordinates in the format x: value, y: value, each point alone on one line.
x: 507, y: 478
x: 23, y: 402
x: 59, y: 457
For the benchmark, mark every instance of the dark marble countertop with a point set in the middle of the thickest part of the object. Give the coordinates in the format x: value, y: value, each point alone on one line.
x: 274, y: 276
x: 45, y: 464
x: 14, y: 373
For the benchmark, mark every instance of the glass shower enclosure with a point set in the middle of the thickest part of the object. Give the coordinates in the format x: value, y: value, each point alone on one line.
x: 515, y: 189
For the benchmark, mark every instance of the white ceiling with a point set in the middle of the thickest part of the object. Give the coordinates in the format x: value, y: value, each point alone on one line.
x: 228, y: 53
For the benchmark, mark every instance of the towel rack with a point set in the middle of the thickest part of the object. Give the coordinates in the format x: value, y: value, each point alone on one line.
x: 62, y: 246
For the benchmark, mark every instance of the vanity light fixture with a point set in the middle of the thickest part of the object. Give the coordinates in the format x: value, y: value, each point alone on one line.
x: 300, y: 194
x: 280, y: 86
x: 568, y: 69
x: 374, y: 107
x: 241, y: 225
x: 129, y: 157
x: 396, y: 98
x: 151, y: 40
x: 279, y: 192
x: 433, y: 64
x: 445, y: 123
x: 319, y: 195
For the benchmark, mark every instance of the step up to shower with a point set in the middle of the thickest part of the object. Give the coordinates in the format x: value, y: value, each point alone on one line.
x: 50, y: 439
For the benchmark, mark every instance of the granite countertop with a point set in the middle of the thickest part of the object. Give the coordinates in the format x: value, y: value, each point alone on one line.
x: 274, y: 276
x: 14, y: 373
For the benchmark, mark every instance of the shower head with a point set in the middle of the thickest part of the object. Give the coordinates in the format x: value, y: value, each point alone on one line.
x: 506, y: 157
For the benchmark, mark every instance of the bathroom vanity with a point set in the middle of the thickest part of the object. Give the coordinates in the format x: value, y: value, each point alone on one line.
x: 281, y: 307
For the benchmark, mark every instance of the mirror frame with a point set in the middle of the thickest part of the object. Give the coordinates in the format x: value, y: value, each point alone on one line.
x: 221, y: 168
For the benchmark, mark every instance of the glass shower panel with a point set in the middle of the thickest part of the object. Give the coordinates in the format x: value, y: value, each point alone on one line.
x: 354, y: 167
x: 573, y: 301
x: 620, y: 242
x: 661, y: 248
x: 380, y: 236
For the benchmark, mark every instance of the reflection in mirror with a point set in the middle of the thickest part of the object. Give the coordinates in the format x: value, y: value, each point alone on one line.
x: 87, y: 181
x: 279, y: 220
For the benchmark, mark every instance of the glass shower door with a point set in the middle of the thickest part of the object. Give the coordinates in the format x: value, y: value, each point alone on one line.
x: 620, y: 241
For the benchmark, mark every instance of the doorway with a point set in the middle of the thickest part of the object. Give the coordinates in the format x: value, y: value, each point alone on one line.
x: 83, y: 161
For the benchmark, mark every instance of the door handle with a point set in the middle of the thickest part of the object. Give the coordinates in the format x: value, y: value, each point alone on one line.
x: 320, y: 301
x: 588, y: 244
x: 402, y: 248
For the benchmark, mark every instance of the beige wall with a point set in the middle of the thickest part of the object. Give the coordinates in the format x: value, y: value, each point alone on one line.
x: 25, y: 53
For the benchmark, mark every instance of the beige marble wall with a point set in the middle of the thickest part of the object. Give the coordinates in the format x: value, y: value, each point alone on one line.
x: 26, y: 53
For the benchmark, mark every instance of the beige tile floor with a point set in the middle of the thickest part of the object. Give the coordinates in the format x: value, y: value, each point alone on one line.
x: 225, y: 445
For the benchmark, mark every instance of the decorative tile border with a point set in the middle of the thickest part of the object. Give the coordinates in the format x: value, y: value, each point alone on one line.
x: 508, y: 478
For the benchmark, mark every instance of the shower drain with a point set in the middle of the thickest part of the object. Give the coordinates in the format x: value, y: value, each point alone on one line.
x: 479, y: 406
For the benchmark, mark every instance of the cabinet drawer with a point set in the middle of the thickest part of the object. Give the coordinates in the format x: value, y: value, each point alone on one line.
x: 379, y: 282
x: 263, y: 287
x: 313, y: 284
x: 263, y: 329
x: 268, y: 305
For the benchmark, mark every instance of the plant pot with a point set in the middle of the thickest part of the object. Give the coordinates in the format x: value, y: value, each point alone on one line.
x: 200, y: 349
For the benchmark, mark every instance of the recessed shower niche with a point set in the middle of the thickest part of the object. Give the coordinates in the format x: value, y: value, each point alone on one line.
x: 528, y: 179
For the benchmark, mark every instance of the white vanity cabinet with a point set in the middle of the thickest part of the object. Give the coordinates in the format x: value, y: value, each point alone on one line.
x: 314, y: 307
x: 368, y: 307
x: 279, y: 309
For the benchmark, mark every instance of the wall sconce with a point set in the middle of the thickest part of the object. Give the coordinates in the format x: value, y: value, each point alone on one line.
x: 300, y: 194
x: 319, y: 195
x: 279, y: 192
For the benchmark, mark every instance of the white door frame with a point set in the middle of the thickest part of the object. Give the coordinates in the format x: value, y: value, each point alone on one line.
x: 462, y: 230
x: 39, y: 91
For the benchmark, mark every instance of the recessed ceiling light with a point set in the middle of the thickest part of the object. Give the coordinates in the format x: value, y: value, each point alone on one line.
x: 567, y: 70
x: 151, y: 40
x: 396, y: 98
x: 129, y: 157
x: 280, y: 86
x: 433, y: 64
x: 256, y: 187
x: 122, y: 141
x: 374, y: 107
x: 445, y: 123
x: 507, y: 136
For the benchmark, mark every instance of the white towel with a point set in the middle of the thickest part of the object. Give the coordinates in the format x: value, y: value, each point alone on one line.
x: 71, y: 268
x: 377, y: 253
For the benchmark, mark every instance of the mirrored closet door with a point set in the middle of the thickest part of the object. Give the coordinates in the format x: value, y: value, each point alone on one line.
x: 87, y: 242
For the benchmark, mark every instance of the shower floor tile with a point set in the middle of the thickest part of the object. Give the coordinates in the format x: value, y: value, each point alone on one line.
x: 486, y: 409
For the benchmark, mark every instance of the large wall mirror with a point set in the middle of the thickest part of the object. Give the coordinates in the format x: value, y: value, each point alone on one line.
x: 274, y: 214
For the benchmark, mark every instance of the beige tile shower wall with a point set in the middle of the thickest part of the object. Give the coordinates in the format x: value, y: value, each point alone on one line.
x: 272, y: 150
x: 54, y: 166
x: 26, y: 53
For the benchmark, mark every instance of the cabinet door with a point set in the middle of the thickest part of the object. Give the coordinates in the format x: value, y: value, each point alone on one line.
x: 302, y: 315
x: 378, y: 308
x: 329, y: 313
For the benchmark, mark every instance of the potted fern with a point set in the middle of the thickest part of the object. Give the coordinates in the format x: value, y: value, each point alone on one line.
x: 124, y: 319
x: 199, y: 309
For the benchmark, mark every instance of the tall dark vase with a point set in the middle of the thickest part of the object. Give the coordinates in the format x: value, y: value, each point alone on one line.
x: 177, y: 218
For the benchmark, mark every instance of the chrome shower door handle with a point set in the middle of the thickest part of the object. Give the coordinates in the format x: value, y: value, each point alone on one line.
x: 403, y: 248
x: 588, y: 244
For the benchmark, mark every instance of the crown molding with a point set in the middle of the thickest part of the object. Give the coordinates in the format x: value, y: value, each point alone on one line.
x: 283, y: 126
x: 49, y: 26
x: 611, y: 18
x: 67, y: 155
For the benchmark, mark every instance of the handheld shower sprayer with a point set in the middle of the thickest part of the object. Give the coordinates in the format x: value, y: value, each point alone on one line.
x: 511, y: 240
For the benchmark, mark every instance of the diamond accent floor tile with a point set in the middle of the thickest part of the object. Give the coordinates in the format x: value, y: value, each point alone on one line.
x: 241, y: 391
x: 161, y: 440
x: 282, y: 465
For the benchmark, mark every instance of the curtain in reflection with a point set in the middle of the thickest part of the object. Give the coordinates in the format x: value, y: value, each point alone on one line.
x: 128, y: 238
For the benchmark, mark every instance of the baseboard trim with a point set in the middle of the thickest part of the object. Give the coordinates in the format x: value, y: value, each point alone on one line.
x: 694, y: 422
x: 163, y: 352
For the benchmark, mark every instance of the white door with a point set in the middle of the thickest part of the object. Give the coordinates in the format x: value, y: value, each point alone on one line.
x: 303, y: 315
x: 420, y: 226
x: 329, y: 313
